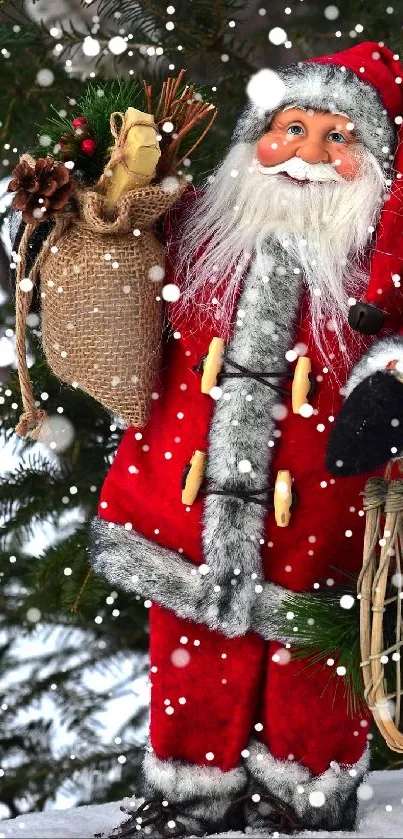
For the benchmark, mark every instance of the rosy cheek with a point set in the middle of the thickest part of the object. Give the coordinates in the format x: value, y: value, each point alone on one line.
x: 269, y: 150
x: 346, y: 164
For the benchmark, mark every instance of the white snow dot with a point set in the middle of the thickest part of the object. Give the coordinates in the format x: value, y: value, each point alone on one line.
x: 180, y: 658
x: 26, y: 284
x: 215, y: 392
x: 117, y: 45
x: 210, y: 756
x: 171, y: 292
x: 277, y: 36
x: 291, y: 355
x: 306, y: 410
x: 45, y: 140
x: 365, y: 792
x: 45, y: 77
x: 265, y: 89
x: 347, y: 601
x: 348, y: 533
x: 91, y: 46
x: 331, y: 12
x: 279, y: 411
x: 156, y: 273
x: 169, y: 184
x: 341, y: 671
x: 244, y: 466
x: 317, y: 798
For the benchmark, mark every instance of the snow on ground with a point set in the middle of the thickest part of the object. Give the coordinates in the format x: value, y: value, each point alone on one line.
x: 381, y: 816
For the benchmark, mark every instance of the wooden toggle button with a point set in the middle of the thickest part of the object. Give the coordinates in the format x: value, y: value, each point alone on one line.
x: 301, y: 384
x: 192, y: 477
x: 283, y: 498
x: 212, y: 364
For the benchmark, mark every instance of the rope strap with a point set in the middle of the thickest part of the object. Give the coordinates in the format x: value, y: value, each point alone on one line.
x: 32, y: 421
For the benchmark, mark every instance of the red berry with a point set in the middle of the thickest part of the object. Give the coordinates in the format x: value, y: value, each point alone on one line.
x: 78, y: 121
x: 88, y: 146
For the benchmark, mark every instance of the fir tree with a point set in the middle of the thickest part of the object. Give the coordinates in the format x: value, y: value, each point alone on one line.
x: 45, y: 66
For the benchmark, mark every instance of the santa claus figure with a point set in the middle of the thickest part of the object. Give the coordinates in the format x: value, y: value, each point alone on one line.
x: 283, y: 286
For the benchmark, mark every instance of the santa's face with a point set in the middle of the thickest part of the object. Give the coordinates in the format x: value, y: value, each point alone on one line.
x: 307, y: 184
x: 312, y: 137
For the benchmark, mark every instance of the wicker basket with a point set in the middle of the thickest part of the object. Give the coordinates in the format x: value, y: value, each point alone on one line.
x: 380, y: 589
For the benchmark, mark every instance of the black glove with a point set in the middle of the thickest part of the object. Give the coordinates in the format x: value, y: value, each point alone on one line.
x: 366, y: 431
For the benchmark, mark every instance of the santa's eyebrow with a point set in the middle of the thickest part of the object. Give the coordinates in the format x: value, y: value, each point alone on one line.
x: 301, y: 108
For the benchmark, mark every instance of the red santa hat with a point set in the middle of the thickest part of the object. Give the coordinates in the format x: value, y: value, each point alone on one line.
x: 366, y: 83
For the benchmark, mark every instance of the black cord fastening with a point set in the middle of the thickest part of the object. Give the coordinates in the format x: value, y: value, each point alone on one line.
x: 244, y: 495
x: 198, y: 368
x: 247, y: 495
x: 259, y: 377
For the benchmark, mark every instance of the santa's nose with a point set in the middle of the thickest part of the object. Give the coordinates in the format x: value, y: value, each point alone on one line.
x: 312, y: 153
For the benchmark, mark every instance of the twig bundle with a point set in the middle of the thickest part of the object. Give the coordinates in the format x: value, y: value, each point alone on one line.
x: 184, y: 110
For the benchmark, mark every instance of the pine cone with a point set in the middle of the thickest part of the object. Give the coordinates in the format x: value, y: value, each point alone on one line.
x: 41, y: 189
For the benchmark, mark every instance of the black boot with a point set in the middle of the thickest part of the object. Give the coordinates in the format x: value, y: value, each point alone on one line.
x: 181, y: 799
x: 157, y: 819
x: 286, y: 790
x: 261, y: 811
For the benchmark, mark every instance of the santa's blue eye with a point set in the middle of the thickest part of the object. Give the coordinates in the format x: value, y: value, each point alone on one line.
x: 295, y: 129
x: 336, y: 137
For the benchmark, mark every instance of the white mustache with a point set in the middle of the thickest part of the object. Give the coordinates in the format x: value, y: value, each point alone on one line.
x: 301, y: 170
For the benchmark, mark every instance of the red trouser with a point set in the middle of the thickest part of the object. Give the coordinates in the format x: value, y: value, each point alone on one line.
x: 209, y: 692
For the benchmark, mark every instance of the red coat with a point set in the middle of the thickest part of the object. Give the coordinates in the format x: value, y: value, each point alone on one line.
x: 143, y: 486
x: 145, y: 540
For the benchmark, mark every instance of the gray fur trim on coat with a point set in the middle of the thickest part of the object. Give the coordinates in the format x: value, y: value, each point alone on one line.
x: 132, y: 562
x: 241, y: 438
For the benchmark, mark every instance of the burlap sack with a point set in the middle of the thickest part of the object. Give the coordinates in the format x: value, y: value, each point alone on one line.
x: 101, y: 321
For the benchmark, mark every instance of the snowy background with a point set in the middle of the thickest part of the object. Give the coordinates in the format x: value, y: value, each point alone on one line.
x: 381, y: 815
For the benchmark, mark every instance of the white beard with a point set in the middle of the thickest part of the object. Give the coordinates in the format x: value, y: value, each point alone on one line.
x: 324, y: 226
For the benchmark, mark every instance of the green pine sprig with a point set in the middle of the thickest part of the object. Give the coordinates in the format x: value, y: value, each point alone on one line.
x: 323, y: 630
x: 98, y: 102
